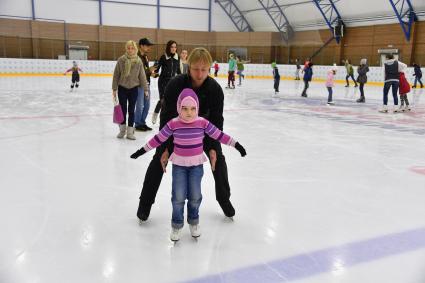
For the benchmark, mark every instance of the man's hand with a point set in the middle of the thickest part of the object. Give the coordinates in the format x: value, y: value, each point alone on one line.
x: 241, y: 149
x: 164, y: 160
x: 213, y: 158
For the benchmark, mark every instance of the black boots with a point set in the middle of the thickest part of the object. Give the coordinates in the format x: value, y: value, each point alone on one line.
x: 228, y: 209
x: 361, y: 99
x: 143, y: 212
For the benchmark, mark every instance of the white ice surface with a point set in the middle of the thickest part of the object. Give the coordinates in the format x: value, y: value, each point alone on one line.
x: 315, y: 177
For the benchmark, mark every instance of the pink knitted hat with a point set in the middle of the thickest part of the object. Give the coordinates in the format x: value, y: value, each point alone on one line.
x: 187, y: 98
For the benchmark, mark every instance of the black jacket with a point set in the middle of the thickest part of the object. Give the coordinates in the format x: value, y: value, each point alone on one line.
x: 211, y: 99
x: 169, y: 66
x: 417, y: 70
x: 276, y: 74
x: 362, y: 70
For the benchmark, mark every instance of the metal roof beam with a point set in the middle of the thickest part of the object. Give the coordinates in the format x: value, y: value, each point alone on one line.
x: 279, y: 19
x: 234, y: 14
x: 331, y: 15
x: 405, y: 15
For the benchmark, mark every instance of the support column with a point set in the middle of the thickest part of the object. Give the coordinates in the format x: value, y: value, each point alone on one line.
x: 35, y: 41
x: 339, y: 51
x: 100, y: 40
x: 409, y: 51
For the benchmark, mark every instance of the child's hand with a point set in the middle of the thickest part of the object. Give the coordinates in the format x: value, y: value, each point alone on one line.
x: 138, y: 153
x: 240, y: 148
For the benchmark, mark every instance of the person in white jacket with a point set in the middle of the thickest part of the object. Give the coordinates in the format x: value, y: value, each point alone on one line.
x: 392, y: 68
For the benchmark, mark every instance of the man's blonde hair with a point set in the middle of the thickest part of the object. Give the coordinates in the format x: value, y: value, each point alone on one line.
x: 199, y: 54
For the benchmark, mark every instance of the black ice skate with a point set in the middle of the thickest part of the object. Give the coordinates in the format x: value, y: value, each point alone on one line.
x: 361, y: 100
x: 227, y: 208
x: 143, y: 213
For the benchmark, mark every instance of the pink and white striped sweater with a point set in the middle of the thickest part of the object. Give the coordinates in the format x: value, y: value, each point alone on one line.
x: 188, y: 140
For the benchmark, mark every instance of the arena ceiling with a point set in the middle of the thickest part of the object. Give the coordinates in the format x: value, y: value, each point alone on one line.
x: 305, y: 15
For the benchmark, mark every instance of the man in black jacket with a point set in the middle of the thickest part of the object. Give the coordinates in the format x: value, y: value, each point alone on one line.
x: 211, y: 99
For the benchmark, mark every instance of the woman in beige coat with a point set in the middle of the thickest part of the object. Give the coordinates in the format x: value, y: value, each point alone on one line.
x: 128, y: 76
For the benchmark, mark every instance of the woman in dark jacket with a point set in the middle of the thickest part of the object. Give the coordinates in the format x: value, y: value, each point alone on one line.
x: 169, y: 65
x: 362, y: 78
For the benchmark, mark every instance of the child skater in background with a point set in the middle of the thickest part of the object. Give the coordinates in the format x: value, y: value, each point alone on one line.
x: 231, y: 72
x: 308, y: 75
x: 216, y: 68
x: 330, y: 83
x: 188, y: 130
x: 75, y: 74
x: 403, y: 90
x: 418, y: 75
x: 276, y: 78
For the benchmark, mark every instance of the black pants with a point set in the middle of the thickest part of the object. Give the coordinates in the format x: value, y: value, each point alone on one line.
x: 352, y: 77
x: 215, y: 73
x: 127, y: 95
x: 75, y: 78
x: 231, y: 78
x: 394, y: 85
x: 306, y: 85
x: 162, y: 84
x: 361, y: 87
x: 276, y: 83
x: 154, y: 175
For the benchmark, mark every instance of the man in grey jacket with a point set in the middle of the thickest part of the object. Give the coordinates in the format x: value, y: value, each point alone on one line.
x: 392, y: 68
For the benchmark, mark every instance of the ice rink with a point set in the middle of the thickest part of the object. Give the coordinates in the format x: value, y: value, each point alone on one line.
x: 326, y: 193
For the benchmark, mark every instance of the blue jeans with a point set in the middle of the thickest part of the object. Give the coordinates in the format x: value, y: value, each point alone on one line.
x: 329, y: 94
x: 416, y: 81
x: 142, y: 107
x: 186, y: 185
x: 394, y: 86
x: 241, y: 75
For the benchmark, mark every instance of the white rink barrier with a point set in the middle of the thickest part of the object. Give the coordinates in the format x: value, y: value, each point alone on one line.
x: 42, y: 67
x: 53, y: 67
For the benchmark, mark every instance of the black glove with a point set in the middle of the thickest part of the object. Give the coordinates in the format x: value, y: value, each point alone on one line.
x: 240, y: 148
x: 138, y: 153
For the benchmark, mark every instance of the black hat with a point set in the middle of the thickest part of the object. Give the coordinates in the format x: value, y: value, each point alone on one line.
x: 145, y: 41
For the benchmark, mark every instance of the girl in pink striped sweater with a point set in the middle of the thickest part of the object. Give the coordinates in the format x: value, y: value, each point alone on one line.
x: 188, y: 130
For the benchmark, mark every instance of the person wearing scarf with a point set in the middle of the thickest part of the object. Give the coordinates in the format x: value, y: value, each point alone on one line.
x: 128, y: 76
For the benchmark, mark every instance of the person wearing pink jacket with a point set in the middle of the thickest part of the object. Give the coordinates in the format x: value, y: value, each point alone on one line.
x: 330, y: 84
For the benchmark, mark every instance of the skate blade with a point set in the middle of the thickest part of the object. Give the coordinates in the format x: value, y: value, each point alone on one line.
x: 229, y: 219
